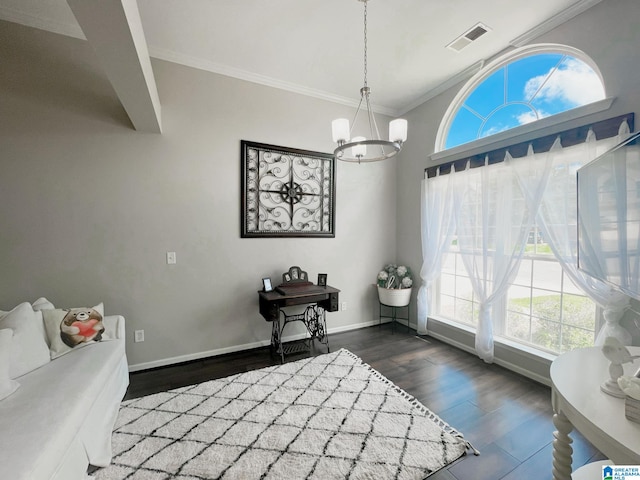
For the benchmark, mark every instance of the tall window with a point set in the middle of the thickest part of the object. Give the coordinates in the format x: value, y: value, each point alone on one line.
x: 519, y: 89
x: 542, y: 306
x: 544, y: 309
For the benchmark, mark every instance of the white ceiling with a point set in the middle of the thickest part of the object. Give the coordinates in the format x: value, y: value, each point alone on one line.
x: 316, y: 47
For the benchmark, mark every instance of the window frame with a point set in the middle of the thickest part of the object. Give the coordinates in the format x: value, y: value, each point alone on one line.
x: 501, y: 307
x: 492, y: 67
x: 571, y: 135
x: 571, y: 125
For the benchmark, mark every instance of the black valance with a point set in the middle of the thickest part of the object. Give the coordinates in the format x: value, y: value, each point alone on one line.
x: 573, y: 136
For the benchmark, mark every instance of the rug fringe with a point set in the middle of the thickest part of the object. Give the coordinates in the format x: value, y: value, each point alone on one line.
x: 476, y: 452
x: 414, y: 402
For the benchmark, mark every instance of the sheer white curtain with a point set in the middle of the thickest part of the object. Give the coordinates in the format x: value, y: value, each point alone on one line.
x: 438, y: 210
x: 494, y: 207
x: 492, y: 226
x: 557, y: 216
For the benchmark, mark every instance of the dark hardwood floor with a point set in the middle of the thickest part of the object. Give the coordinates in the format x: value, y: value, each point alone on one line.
x: 507, y: 417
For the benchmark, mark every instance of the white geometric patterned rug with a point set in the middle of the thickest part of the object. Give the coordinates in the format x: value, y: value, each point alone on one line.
x: 325, y: 417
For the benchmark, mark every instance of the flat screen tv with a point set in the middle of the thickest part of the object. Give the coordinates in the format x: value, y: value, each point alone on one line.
x: 609, y: 217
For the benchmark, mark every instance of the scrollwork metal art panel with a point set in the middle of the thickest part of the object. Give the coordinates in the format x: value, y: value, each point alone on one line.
x: 286, y: 192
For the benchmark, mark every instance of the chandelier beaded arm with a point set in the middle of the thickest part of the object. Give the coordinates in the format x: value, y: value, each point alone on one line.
x: 360, y: 149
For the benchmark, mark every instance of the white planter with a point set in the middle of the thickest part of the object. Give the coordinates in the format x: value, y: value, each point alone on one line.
x: 394, y: 297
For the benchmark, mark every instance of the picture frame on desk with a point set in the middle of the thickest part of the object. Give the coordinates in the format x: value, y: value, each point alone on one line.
x: 266, y: 285
x: 322, y: 279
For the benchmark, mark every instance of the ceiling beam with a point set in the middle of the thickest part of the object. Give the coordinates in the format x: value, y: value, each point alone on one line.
x: 114, y: 30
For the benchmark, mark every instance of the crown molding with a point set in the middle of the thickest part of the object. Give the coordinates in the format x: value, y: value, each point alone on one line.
x: 194, y: 62
x: 75, y: 31
x: 444, y: 86
x: 548, y: 25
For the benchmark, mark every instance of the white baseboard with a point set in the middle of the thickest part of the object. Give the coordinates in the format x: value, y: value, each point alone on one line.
x: 237, y: 348
x: 523, y: 371
x: 195, y: 356
x: 248, y: 346
x: 498, y: 361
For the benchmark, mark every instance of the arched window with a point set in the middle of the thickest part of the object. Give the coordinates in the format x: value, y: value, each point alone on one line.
x: 541, y: 308
x: 521, y: 87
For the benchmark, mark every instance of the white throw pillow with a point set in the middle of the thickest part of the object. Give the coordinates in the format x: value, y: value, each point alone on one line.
x: 28, y: 349
x: 73, y: 328
x: 7, y: 385
x: 39, y: 305
x: 42, y: 304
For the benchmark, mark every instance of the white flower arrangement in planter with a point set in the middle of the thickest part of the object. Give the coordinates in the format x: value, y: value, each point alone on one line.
x: 394, y: 276
x: 394, y: 285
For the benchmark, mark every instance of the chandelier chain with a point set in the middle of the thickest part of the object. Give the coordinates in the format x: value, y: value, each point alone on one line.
x: 365, y: 43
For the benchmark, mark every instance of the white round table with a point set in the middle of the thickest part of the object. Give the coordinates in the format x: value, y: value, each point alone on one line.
x: 579, y: 403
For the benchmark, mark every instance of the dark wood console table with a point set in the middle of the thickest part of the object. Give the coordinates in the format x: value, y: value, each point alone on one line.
x: 318, y: 300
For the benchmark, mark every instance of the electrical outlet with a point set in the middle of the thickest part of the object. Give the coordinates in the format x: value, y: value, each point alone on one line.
x: 171, y: 258
x: 138, y: 336
x: 344, y: 306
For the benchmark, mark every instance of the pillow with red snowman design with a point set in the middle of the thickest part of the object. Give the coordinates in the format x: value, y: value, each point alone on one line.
x: 72, y: 328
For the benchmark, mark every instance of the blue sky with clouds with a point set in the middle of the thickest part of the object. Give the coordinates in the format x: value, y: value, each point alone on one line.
x: 523, y: 91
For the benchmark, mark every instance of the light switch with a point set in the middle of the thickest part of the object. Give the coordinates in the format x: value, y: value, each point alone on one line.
x: 171, y: 258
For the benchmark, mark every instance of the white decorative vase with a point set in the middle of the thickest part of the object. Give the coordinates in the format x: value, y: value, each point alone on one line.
x: 394, y: 297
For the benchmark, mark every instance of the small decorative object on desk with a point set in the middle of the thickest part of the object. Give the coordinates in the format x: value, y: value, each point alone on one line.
x: 295, y: 279
x: 630, y: 386
x: 618, y: 355
x: 394, y: 285
x: 322, y: 279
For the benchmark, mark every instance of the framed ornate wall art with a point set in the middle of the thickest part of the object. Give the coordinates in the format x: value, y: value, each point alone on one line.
x: 286, y: 192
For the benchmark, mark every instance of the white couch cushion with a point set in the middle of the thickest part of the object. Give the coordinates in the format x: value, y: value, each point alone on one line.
x: 7, y: 385
x: 39, y: 305
x: 42, y: 304
x: 43, y: 423
x: 28, y: 349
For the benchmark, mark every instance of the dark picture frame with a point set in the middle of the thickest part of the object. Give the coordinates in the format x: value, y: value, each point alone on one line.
x: 286, y: 192
x: 266, y: 285
x: 322, y: 279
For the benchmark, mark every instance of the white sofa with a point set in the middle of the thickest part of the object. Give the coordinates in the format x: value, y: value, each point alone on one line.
x: 59, y: 419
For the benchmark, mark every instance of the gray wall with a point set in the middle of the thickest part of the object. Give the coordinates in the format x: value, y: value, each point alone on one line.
x: 608, y: 33
x: 89, y: 207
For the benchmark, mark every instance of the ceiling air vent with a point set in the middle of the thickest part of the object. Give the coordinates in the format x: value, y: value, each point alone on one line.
x: 469, y: 36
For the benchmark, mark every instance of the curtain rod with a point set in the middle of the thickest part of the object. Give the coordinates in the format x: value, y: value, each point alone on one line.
x: 603, y: 129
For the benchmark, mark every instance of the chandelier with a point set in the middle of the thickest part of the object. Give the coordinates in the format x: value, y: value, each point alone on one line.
x: 360, y: 149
